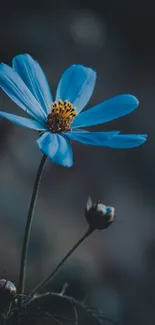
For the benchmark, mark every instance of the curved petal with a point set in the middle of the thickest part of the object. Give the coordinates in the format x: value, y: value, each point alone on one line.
x: 123, y: 141
x: 107, y: 111
x: 22, y: 121
x: 57, y: 148
x: 15, y: 88
x: 33, y: 76
x: 76, y: 85
x: 92, y: 138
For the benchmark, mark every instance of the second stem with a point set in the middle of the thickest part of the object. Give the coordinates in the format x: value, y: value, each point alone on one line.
x: 44, y: 283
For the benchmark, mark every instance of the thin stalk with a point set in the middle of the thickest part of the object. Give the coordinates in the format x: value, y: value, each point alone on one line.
x: 26, y: 240
x: 44, y: 283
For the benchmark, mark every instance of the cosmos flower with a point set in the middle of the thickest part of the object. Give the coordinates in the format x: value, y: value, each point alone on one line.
x: 60, y: 121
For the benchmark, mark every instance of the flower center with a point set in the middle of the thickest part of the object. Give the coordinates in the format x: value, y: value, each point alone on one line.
x: 61, y: 116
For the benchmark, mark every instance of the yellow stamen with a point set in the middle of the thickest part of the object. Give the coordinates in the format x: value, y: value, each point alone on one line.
x: 61, y: 116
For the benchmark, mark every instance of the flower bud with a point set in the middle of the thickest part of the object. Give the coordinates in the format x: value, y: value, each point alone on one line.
x: 7, y: 295
x: 7, y: 288
x: 98, y: 215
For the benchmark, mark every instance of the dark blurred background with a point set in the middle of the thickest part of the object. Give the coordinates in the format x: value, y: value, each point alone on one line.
x: 115, y: 268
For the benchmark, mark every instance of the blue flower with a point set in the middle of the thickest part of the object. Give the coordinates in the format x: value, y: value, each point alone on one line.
x: 61, y: 121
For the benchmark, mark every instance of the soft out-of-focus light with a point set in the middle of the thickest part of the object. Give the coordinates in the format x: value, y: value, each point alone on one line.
x: 107, y: 300
x: 23, y: 150
x: 88, y: 29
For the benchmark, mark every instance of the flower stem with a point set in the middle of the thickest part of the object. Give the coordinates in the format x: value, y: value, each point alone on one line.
x: 28, y: 227
x: 44, y: 283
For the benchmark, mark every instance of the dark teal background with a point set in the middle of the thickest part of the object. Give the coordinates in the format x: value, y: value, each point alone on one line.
x: 116, y: 267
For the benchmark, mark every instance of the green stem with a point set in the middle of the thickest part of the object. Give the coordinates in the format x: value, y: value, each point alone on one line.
x: 28, y: 227
x: 44, y: 283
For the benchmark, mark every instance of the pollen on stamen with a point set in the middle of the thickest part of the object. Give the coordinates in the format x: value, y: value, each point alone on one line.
x: 61, y: 116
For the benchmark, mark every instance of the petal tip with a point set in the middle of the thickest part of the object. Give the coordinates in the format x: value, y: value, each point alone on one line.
x: 19, y: 57
x: 144, y: 137
x: 21, y: 54
x: 140, y: 140
x: 68, y: 165
x: 134, y: 100
x: 84, y: 68
x: 3, y: 65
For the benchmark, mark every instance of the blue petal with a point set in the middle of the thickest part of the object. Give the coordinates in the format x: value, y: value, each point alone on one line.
x: 57, y: 148
x: 106, y: 111
x: 76, y: 85
x: 123, y: 141
x: 15, y: 88
x: 92, y: 138
x: 33, y: 76
x: 22, y: 121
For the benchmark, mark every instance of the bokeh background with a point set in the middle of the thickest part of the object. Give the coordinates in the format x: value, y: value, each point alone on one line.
x: 115, y: 268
